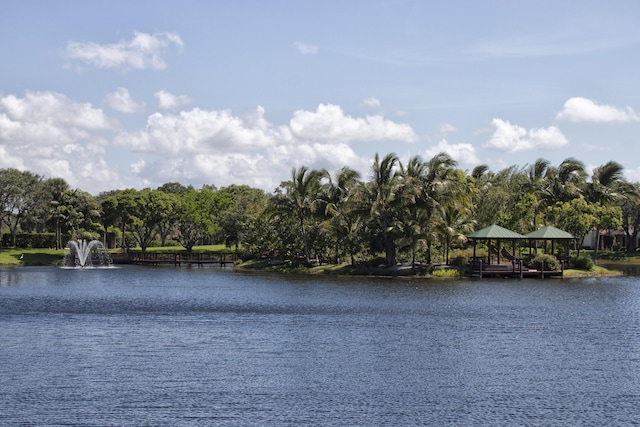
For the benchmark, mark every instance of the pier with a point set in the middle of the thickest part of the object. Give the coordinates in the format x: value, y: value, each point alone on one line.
x: 478, y: 268
x: 159, y: 258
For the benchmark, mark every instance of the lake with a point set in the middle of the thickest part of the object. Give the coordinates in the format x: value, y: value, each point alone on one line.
x: 165, y: 346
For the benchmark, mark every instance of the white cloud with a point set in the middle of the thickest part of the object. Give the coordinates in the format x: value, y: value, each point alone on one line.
x: 306, y: 49
x: 585, y: 110
x: 512, y: 138
x: 464, y: 154
x: 120, y: 100
x: 221, y: 148
x: 45, y: 117
x: 52, y: 135
x: 371, y: 102
x: 329, y: 123
x: 169, y: 101
x: 143, y: 51
x: 201, y: 131
x: 632, y: 175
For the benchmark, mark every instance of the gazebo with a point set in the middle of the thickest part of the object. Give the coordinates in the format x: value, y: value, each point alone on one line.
x: 495, y: 233
x: 553, y: 234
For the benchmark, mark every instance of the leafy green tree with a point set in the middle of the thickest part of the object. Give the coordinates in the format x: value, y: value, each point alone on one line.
x: 245, y: 223
x: 82, y: 216
x: 124, y: 208
x: 495, y: 194
x: 150, y: 209
x: 575, y: 216
x: 20, y: 193
x: 56, y: 187
x: 198, y: 211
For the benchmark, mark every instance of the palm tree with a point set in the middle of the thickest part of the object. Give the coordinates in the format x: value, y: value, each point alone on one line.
x: 537, y: 184
x: 567, y: 181
x: 381, y: 195
x: 299, y: 199
x: 454, y: 224
x: 338, y: 194
x: 607, y: 186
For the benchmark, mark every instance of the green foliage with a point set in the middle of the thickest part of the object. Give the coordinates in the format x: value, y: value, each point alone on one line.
x: 551, y: 263
x: 448, y: 273
x: 583, y: 262
x: 460, y: 260
x: 30, y: 240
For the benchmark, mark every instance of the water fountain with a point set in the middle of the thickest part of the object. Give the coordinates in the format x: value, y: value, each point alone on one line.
x: 82, y: 254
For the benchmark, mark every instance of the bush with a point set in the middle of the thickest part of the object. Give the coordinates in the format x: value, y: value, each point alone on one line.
x: 32, y: 240
x: 551, y: 263
x: 459, y: 261
x: 442, y: 273
x: 583, y: 263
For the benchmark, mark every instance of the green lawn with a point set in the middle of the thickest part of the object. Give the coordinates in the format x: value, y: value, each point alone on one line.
x: 17, y: 256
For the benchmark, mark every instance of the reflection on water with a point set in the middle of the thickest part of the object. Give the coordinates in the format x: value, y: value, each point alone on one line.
x: 165, y: 346
x: 627, y: 268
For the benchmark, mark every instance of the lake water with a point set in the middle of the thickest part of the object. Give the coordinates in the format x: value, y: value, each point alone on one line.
x: 207, y: 346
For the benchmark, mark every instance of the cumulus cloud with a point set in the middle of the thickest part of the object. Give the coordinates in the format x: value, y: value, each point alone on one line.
x: 169, y: 101
x: 143, y: 51
x: 464, y: 154
x: 201, y: 131
x: 632, y: 175
x: 329, y: 123
x: 222, y: 148
x: 52, y: 135
x: 306, y: 49
x: 512, y: 138
x: 585, y: 110
x: 120, y: 100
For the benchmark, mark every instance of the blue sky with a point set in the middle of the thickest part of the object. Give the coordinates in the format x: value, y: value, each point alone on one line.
x: 136, y: 94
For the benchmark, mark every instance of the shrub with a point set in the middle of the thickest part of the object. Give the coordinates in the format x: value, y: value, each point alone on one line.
x: 583, y: 262
x: 459, y: 260
x: 551, y: 263
x: 449, y: 273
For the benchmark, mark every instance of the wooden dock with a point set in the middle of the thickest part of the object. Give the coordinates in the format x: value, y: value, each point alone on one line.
x: 159, y: 258
x: 515, y: 269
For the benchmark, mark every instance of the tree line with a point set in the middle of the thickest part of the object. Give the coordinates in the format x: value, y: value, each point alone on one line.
x: 409, y: 211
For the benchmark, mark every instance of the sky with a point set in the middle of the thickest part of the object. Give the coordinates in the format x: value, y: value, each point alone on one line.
x: 134, y: 94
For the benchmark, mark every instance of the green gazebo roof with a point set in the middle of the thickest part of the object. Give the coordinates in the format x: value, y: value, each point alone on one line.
x: 495, y: 232
x: 549, y: 233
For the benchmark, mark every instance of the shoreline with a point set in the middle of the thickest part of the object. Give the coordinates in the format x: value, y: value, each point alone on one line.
x: 604, y: 268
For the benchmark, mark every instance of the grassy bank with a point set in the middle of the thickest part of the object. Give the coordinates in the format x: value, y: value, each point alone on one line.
x: 16, y: 257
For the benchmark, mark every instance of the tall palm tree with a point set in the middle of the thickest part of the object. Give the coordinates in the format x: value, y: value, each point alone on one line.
x: 607, y: 183
x: 414, y: 218
x: 381, y: 196
x: 454, y: 224
x: 339, y: 209
x: 537, y: 185
x: 425, y: 186
x: 299, y: 199
x: 607, y: 187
